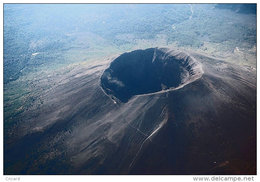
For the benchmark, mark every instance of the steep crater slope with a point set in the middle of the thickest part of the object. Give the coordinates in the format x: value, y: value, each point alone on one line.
x: 149, y: 71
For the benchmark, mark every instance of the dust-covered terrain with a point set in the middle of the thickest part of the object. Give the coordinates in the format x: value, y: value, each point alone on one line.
x: 129, y: 89
x: 205, y: 127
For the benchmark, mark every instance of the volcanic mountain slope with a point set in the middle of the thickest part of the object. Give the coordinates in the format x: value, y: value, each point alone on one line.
x: 154, y: 111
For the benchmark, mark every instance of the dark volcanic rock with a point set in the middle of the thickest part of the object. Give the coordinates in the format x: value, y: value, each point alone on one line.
x: 147, y: 71
x: 199, y: 124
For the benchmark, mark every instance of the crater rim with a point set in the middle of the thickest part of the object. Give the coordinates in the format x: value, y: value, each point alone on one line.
x: 186, y: 67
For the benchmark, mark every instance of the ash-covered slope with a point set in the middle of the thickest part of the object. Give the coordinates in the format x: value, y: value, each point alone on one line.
x: 205, y: 126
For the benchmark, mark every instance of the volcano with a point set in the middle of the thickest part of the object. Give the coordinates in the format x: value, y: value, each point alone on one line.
x: 152, y: 111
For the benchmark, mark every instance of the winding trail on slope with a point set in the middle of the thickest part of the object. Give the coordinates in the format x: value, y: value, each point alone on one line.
x: 149, y: 138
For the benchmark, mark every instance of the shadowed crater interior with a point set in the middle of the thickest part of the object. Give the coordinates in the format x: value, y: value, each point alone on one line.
x: 148, y: 71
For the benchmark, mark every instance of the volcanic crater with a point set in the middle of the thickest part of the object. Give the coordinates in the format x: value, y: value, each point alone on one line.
x: 149, y: 71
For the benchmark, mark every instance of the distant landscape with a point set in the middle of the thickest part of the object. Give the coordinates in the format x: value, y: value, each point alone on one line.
x: 106, y: 88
